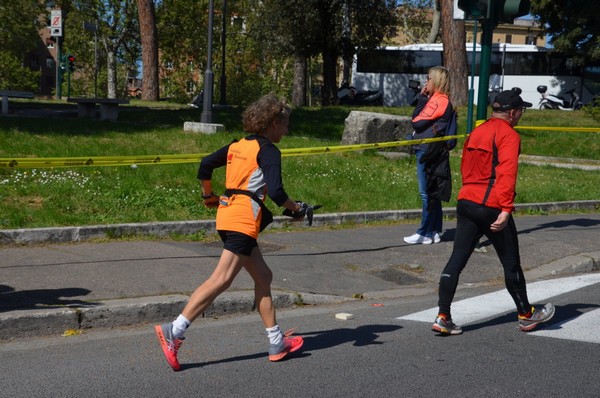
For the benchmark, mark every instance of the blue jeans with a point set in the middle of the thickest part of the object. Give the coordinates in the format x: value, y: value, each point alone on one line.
x: 431, y: 220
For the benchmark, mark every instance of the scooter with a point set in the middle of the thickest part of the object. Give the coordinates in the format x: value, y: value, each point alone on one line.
x: 494, y: 88
x: 549, y: 101
x: 348, y: 95
x: 198, y: 101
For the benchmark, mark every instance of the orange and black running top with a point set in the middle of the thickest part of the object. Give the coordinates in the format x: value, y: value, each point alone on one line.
x: 431, y: 117
x: 253, y: 164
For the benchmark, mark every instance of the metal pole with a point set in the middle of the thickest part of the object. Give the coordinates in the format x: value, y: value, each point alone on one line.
x: 69, y: 83
x: 484, y: 68
x: 472, y: 89
x: 58, y: 71
x: 206, y: 116
x: 223, y: 100
x: 96, y: 62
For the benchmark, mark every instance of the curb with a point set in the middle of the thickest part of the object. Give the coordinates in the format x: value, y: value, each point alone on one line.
x: 161, y: 229
x: 155, y: 309
x: 136, y: 311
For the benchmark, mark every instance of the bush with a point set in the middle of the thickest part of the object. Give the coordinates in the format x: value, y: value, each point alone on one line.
x: 593, y: 108
x: 13, y: 76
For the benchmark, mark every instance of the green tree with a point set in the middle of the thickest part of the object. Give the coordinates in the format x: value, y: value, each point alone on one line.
x: 328, y: 28
x: 13, y: 76
x: 118, y: 36
x: 574, y: 26
x: 415, y: 23
x: 21, y: 21
x: 182, y: 28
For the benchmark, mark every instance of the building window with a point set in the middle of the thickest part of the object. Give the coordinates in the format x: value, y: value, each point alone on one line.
x: 191, y: 87
x: 508, y: 39
x: 34, y: 62
x: 530, y: 40
x: 50, y: 62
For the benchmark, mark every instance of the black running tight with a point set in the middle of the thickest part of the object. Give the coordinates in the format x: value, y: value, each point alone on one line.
x: 473, y: 221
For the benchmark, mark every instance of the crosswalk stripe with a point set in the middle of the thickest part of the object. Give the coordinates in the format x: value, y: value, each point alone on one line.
x: 485, y: 306
x: 581, y: 328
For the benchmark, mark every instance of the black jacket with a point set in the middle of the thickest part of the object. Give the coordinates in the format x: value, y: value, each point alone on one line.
x: 437, y: 167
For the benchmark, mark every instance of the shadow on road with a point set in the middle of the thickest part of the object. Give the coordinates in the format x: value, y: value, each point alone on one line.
x: 360, y: 336
x: 11, y: 300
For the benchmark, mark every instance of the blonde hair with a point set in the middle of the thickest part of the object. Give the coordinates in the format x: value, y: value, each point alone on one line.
x: 440, y: 79
x: 260, y: 114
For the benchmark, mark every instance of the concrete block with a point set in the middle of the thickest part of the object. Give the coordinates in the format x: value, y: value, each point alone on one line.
x: 370, y: 127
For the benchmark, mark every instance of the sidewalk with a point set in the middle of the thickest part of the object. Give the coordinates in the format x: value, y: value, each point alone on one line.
x: 47, y: 289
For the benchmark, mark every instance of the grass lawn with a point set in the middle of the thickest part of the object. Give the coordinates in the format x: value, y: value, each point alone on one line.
x: 351, y: 181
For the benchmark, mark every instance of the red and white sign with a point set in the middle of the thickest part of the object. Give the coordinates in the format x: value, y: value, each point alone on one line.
x: 56, y: 23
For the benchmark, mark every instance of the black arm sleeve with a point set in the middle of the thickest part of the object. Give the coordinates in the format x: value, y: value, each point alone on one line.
x: 269, y: 160
x: 214, y: 160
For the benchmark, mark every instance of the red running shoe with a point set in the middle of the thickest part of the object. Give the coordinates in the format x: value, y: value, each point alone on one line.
x: 169, y: 343
x: 288, y: 344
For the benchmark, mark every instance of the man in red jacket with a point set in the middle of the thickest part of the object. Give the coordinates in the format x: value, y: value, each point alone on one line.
x: 485, y: 205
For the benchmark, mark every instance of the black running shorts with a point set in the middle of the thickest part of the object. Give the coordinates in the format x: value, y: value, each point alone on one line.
x: 237, y: 242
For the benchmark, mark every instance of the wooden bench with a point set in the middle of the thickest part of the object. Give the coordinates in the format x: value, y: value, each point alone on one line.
x: 6, y: 94
x: 109, y: 107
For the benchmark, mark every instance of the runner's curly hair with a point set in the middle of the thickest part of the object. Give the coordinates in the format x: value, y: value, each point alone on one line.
x: 260, y: 114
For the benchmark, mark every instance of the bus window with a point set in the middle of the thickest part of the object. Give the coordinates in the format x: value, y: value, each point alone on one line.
x: 396, y: 61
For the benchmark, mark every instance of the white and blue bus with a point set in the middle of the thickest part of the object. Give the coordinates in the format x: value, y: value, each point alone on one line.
x: 390, y: 70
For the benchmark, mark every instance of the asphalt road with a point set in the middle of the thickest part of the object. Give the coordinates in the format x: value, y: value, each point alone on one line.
x: 375, y: 354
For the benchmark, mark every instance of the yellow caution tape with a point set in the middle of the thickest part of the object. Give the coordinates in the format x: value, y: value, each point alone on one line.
x: 361, y: 147
x: 95, y: 161
x: 99, y: 161
x: 576, y: 129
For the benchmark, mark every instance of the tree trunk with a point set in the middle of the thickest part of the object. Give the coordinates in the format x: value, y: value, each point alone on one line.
x: 149, y: 35
x: 299, y: 89
x: 111, y: 61
x: 435, y: 23
x: 329, y: 91
x: 455, y: 53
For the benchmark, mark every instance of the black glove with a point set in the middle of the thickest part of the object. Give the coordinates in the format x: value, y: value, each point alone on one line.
x: 297, y: 215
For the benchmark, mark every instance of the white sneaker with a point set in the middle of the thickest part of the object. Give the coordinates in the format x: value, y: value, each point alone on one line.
x: 437, y: 238
x: 416, y: 239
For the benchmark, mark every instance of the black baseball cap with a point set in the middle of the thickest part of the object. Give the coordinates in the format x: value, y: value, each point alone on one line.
x: 508, y: 100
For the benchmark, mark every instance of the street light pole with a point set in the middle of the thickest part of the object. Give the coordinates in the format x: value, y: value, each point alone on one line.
x: 223, y: 100
x: 206, y: 116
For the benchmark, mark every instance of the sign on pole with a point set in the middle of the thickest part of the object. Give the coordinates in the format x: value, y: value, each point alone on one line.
x: 56, y: 23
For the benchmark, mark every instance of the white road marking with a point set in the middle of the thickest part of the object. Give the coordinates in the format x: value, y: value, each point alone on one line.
x: 581, y: 328
x: 485, y: 306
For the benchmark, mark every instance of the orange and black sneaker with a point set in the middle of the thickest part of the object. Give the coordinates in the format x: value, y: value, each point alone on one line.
x: 169, y: 343
x: 288, y: 344
x: 535, y: 317
x: 444, y: 325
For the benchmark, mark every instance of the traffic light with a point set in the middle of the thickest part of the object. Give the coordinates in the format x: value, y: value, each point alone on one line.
x: 476, y: 9
x: 496, y: 10
x: 71, y: 60
x: 508, y: 10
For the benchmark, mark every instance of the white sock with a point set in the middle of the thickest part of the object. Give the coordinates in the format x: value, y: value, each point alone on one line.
x: 180, y: 325
x: 275, y: 335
